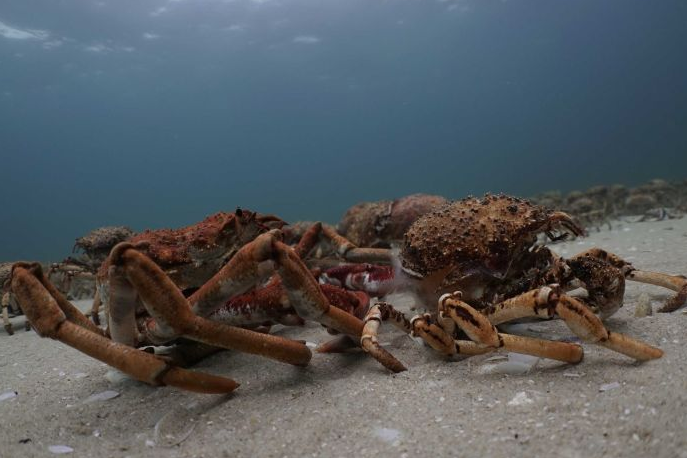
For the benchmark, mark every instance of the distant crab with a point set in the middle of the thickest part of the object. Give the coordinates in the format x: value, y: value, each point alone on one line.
x: 96, y: 245
x: 478, y: 261
x: 382, y: 223
x: 74, y: 276
x: 220, y: 264
x: 6, y: 299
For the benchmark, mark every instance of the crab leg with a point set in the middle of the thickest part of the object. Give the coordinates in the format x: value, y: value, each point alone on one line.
x: 122, y: 309
x: 346, y: 249
x: 5, y: 314
x: 46, y: 314
x: 242, y: 273
x: 239, y: 275
x: 547, y: 302
x: 349, y: 251
x: 95, y: 308
x: 479, y: 329
x: 167, y: 306
x: 72, y: 313
x: 437, y: 336
x: 306, y: 296
x: 370, y: 344
x: 535, y: 303
x: 308, y: 240
x: 674, y: 282
x: 582, y: 321
x: 173, y: 317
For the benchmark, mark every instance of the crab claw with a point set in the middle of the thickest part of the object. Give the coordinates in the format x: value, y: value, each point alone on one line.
x: 373, y: 279
x: 566, y: 222
x: 354, y: 302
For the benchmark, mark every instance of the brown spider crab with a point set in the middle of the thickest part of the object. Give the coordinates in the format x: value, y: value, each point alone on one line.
x: 379, y: 224
x: 477, y: 259
x: 218, y: 263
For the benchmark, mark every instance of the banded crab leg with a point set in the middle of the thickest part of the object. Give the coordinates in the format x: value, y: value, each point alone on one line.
x: 548, y: 302
x: 480, y: 327
x: 455, y: 313
x: 420, y: 325
x: 677, y: 283
x: 47, y: 316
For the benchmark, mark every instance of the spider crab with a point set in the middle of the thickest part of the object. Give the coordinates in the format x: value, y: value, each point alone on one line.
x: 378, y: 224
x: 478, y: 261
x: 217, y: 263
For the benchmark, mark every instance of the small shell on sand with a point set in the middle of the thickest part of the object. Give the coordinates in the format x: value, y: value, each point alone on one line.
x: 609, y: 386
x: 103, y: 396
x: 60, y: 449
x: 8, y: 395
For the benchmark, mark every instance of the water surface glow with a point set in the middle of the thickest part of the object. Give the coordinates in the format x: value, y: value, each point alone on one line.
x: 157, y: 113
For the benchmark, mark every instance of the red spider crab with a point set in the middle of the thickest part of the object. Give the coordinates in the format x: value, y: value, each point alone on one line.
x: 217, y: 260
x: 477, y: 260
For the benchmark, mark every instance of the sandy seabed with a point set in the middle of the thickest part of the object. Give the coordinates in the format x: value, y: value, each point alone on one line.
x: 348, y: 405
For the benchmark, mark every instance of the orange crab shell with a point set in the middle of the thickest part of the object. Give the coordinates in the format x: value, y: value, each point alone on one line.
x: 473, y: 233
x: 188, y: 252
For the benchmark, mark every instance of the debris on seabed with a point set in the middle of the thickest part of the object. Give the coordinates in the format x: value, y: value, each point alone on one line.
x: 389, y: 435
x: 520, y: 399
x: 60, y: 449
x: 573, y: 374
x: 102, y: 396
x: 115, y: 376
x: 173, y: 428
x: 516, y: 364
x: 643, y: 307
x: 8, y: 395
x: 609, y: 386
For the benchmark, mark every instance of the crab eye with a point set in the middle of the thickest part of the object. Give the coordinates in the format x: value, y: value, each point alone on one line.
x: 239, y: 212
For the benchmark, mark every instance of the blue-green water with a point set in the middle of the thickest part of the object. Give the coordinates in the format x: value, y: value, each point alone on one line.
x: 157, y: 113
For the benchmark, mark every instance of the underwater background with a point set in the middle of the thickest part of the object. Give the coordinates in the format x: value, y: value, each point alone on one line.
x: 157, y: 113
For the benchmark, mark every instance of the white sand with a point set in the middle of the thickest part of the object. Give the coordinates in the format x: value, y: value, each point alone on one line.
x: 347, y: 405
